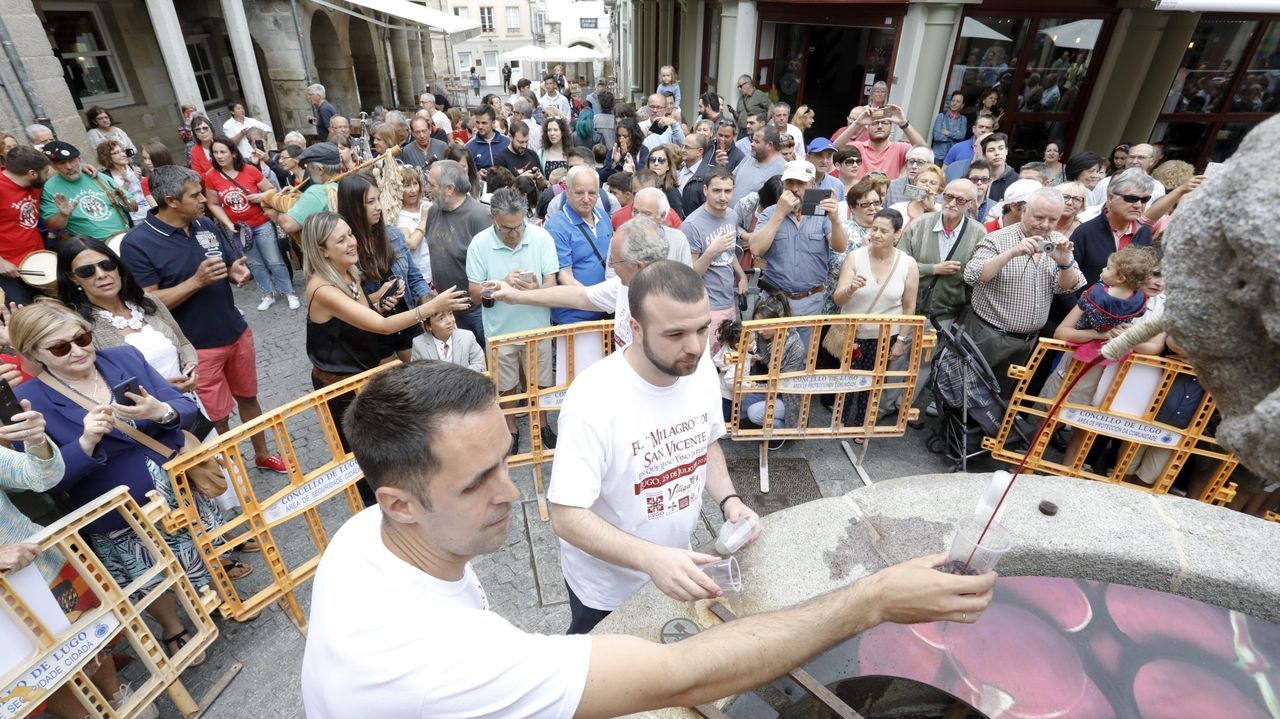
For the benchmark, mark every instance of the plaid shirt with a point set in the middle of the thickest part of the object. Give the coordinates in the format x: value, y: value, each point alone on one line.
x: 1017, y: 300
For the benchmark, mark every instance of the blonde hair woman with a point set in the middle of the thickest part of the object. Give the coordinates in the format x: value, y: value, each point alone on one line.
x: 929, y: 178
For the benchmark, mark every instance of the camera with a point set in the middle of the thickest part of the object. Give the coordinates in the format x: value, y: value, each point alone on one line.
x: 1046, y: 246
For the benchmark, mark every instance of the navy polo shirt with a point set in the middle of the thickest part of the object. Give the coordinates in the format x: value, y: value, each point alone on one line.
x: 165, y: 256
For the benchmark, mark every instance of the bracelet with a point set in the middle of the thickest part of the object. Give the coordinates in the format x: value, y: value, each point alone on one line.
x: 417, y: 312
x: 36, y: 445
x: 726, y: 499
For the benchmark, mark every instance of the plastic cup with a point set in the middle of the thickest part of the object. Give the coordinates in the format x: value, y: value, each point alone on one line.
x: 967, y: 556
x: 725, y: 574
x: 732, y: 536
x: 213, y: 254
x: 486, y: 297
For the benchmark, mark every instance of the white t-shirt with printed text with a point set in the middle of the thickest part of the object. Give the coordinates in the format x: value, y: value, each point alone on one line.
x: 389, y: 640
x: 639, y: 463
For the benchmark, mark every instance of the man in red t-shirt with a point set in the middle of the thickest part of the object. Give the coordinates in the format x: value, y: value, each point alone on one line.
x: 25, y: 171
x: 879, y: 153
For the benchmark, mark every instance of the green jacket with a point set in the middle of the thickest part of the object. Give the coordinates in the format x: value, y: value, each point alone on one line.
x: 757, y: 101
x: 950, y: 294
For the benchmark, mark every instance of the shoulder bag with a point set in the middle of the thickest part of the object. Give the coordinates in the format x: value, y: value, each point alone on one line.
x: 833, y: 343
x: 207, y: 477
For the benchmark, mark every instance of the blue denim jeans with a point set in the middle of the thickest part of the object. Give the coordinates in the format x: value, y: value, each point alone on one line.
x: 265, y: 262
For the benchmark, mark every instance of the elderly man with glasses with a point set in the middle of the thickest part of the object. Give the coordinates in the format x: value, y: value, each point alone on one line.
x: 1142, y: 157
x: 751, y: 101
x: 917, y: 157
x: 1117, y: 226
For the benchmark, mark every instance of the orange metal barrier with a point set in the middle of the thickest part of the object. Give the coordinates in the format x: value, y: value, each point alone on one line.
x: 843, y: 381
x: 302, y: 496
x: 1126, y: 411
x: 575, y: 346
x: 56, y: 656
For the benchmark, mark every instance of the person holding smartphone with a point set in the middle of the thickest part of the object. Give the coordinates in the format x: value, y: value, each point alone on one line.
x: 237, y: 127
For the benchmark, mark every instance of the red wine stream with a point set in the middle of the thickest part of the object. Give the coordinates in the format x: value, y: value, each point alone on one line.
x: 1044, y: 424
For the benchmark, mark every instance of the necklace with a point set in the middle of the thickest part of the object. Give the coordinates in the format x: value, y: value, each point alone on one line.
x: 134, y: 321
x: 93, y: 393
x: 354, y: 288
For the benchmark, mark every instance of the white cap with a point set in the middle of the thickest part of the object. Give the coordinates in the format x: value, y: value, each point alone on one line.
x: 802, y: 170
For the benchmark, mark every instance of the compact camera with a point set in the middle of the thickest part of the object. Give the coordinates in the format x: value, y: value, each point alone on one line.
x: 1047, y: 246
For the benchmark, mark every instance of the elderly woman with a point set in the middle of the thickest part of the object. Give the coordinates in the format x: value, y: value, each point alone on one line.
x: 102, y: 128
x: 857, y: 212
x: 81, y: 394
x: 929, y: 178
x: 113, y: 160
x: 876, y: 279
x: 1088, y: 169
x: 665, y: 160
x: 1074, y: 197
x: 200, y: 157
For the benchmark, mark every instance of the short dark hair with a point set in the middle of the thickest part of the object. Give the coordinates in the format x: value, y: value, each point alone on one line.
x: 25, y: 158
x: 667, y: 278
x: 953, y: 95
x: 893, y: 216
x: 771, y: 136
x: 394, y: 422
x: 523, y: 83
x: 646, y: 178
x: 977, y: 164
x: 994, y: 137
x: 519, y: 127
x: 583, y: 153
x: 485, y: 110
x: 606, y: 100
x: 237, y: 160
x: 846, y: 153
x: 718, y: 173
x: 620, y: 181
x: 1080, y: 162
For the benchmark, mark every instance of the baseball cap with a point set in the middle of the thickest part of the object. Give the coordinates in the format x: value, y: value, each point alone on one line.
x: 1020, y: 191
x: 59, y: 151
x: 820, y: 144
x: 802, y: 170
x: 325, y: 153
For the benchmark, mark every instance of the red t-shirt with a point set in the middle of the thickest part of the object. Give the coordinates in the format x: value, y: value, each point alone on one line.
x: 624, y: 214
x: 888, y: 159
x: 19, y: 220
x: 234, y: 199
x: 200, y: 159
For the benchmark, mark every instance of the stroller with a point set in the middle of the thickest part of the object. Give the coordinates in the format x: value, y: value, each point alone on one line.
x: 968, y: 397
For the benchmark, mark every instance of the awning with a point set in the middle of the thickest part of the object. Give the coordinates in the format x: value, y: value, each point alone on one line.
x: 572, y: 53
x: 457, y: 28
x: 524, y: 53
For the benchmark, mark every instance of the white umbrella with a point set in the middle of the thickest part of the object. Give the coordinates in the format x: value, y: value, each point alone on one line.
x: 1078, y: 35
x: 973, y: 28
x: 532, y: 53
x: 575, y: 53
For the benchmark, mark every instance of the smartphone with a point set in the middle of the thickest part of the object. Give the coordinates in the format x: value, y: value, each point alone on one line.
x: 8, y: 403
x: 118, y: 392
x: 393, y: 289
x: 260, y: 144
x: 529, y: 278
x: 809, y: 204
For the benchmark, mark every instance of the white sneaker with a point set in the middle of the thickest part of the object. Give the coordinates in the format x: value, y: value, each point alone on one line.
x: 293, y: 302
x: 266, y: 302
x: 122, y: 697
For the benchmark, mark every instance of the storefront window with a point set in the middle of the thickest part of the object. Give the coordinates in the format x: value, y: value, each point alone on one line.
x: 1039, y: 68
x: 1212, y: 57
x: 1228, y: 82
x: 88, y: 58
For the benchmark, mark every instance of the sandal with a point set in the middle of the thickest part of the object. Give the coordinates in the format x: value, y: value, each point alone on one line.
x: 248, y: 546
x: 175, y: 643
x: 235, y: 570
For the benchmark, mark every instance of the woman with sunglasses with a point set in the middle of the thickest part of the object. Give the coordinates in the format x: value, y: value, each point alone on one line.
x: 556, y: 143
x: 199, y: 154
x: 847, y: 162
x: 98, y: 456
x: 665, y: 161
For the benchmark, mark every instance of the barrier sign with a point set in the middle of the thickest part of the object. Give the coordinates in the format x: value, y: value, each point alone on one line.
x: 1128, y: 405
x: 576, y: 346
x: 46, y: 650
x: 786, y: 394
x: 304, y: 493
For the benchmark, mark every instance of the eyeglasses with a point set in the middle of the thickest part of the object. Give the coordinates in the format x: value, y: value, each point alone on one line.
x: 852, y: 161
x: 954, y: 199
x: 508, y: 230
x: 868, y: 204
x: 84, y: 272
x: 658, y: 160
x: 1074, y: 198
x: 742, y: 85
x: 980, y: 180
x: 1134, y: 199
x: 882, y: 122
x: 203, y: 128
x: 63, y: 348
x: 916, y: 162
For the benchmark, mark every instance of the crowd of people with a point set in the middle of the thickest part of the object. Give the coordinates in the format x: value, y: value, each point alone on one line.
x: 558, y: 203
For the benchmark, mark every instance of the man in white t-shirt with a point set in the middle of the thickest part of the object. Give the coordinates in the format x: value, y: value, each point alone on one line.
x: 637, y: 243
x: 629, y: 474
x: 401, y: 628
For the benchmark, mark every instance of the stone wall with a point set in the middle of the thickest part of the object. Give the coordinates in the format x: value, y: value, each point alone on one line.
x: 45, y: 72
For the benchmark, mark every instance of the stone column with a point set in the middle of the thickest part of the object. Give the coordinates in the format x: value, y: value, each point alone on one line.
x: 924, y: 56
x: 738, y: 43
x: 419, y: 64
x: 689, y: 62
x: 173, y: 47
x: 664, y: 56
x: 255, y: 95
x: 400, y: 62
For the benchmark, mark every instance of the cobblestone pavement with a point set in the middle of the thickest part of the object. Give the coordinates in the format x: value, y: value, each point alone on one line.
x: 523, y: 579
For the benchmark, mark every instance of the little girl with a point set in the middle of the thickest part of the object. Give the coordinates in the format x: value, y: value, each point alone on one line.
x: 728, y: 335
x: 412, y: 220
x: 1103, y: 311
x: 667, y: 82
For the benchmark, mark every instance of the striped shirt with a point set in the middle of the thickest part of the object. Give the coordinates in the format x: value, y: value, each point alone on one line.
x: 1017, y: 300
x: 24, y: 471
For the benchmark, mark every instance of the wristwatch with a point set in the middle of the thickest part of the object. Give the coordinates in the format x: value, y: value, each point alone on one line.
x: 169, y: 417
x: 1067, y: 266
x: 905, y: 124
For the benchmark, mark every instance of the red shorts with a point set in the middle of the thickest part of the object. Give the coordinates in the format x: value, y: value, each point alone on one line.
x: 225, y: 373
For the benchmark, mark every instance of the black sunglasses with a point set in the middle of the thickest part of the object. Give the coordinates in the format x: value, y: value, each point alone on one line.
x: 84, y: 272
x: 1144, y: 199
x: 63, y: 348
